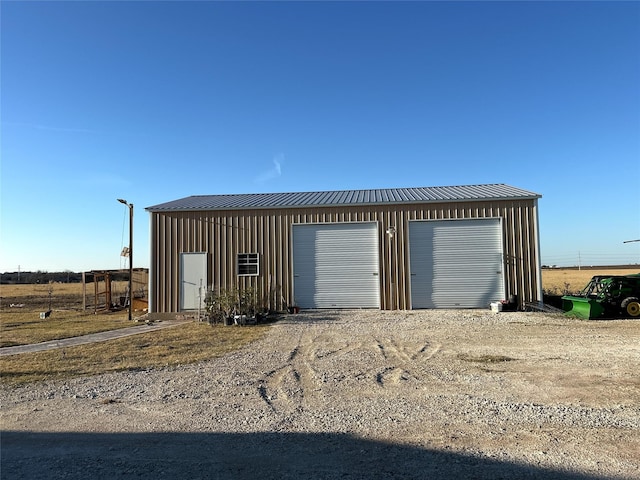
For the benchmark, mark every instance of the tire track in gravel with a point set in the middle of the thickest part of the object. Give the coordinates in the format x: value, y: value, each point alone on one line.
x: 302, y: 382
x: 285, y: 388
x: 307, y: 375
x: 403, y: 361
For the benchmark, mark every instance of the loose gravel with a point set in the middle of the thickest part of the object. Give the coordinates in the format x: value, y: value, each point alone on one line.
x: 353, y: 394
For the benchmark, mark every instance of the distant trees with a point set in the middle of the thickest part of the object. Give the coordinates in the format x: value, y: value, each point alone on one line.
x: 67, y: 276
x: 40, y: 277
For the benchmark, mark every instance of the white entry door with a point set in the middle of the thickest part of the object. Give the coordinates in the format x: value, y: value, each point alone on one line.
x: 456, y: 263
x: 193, y: 280
x: 336, y: 265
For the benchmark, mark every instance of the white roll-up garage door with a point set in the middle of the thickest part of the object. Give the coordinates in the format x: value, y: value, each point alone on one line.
x: 336, y: 265
x: 456, y: 263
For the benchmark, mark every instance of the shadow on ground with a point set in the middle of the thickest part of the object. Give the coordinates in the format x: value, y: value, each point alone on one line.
x: 37, y: 455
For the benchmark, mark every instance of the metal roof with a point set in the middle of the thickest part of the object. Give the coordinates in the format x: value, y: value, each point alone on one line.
x: 463, y: 193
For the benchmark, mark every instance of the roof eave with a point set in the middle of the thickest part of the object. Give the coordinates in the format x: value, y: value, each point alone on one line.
x: 342, y: 205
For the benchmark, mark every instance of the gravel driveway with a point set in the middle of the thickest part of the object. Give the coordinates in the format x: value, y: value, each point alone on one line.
x: 353, y: 394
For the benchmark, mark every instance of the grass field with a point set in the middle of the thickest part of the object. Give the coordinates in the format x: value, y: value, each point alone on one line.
x: 21, y: 306
x: 188, y: 343
x: 563, y: 281
x: 20, y: 325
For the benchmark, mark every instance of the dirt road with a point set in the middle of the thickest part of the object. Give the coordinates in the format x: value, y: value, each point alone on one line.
x: 355, y: 394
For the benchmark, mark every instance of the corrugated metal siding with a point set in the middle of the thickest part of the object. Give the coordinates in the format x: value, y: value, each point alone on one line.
x: 224, y: 234
x: 336, y: 265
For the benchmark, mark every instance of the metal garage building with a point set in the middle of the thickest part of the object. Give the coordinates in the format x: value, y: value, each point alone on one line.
x: 402, y: 248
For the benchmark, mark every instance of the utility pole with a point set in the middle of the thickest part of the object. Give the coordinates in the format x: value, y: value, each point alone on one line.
x: 130, y: 205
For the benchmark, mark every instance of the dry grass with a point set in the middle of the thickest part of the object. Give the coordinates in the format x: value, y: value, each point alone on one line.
x: 562, y: 281
x: 61, y: 296
x: 24, y: 326
x: 20, y: 324
x: 57, y: 289
x: 183, y: 344
x: 188, y: 343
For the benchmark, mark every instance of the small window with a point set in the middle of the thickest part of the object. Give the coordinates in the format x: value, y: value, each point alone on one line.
x: 248, y: 264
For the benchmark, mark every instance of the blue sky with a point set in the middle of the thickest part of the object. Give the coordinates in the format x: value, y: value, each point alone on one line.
x: 154, y: 101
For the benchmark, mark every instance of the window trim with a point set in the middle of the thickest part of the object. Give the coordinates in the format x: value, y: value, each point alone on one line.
x: 248, y: 264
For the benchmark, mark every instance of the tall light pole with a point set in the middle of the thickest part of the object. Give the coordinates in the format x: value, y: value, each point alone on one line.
x: 130, y: 205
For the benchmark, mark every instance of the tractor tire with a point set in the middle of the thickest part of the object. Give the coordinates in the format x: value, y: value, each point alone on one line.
x: 631, y: 307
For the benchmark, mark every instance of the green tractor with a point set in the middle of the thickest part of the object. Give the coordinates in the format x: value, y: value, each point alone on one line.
x: 606, y: 296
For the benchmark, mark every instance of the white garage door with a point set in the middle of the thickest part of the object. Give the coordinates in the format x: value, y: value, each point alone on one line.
x: 336, y: 265
x: 456, y: 263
